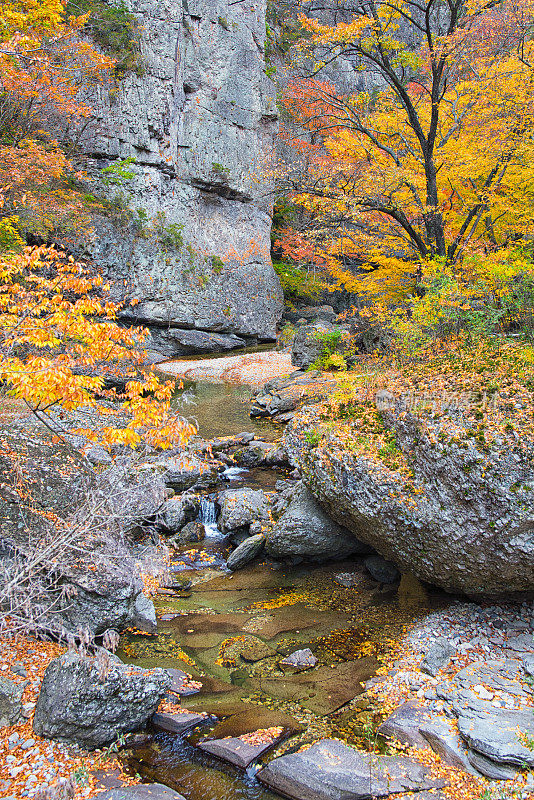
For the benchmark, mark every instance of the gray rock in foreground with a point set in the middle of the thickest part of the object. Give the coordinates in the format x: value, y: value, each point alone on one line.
x: 501, y: 735
x: 80, y: 702
x: 305, y: 530
x: 330, y: 770
x: 144, y: 791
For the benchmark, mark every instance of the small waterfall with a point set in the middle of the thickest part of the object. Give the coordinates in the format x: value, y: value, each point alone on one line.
x: 208, y: 517
x: 233, y: 473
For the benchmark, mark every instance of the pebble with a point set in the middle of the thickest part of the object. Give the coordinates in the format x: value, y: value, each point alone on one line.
x: 27, y: 744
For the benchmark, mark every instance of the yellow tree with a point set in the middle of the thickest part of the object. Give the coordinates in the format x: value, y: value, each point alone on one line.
x: 436, y: 161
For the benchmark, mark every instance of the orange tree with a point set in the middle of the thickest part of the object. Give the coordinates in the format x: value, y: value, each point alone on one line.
x: 56, y: 331
x: 47, y: 72
x: 433, y: 163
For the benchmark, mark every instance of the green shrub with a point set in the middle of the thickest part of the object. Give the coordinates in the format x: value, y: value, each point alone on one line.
x: 335, y: 349
x: 298, y: 283
x: 171, y: 236
x: 118, y: 173
x: 217, y: 264
x: 115, y: 29
x: 313, y: 437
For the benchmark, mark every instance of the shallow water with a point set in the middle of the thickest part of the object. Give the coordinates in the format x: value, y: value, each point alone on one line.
x: 221, y: 409
x: 203, y: 631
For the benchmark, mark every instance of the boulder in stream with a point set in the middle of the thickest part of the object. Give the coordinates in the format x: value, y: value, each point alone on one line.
x: 463, y: 520
x: 305, y: 530
x: 241, y: 507
x: 90, y: 701
x: 331, y: 770
x: 246, y: 552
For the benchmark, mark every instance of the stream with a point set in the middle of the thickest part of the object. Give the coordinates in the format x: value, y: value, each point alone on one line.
x: 349, y: 621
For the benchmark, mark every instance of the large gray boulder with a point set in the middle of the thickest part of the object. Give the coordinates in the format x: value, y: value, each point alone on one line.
x: 304, y: 530
x: 331, y: 770
x: 198, y: 120
x: 176, y: 512
x: 92, y: 580
x: 90, y: 701
x: 183, y: 471
x: 241, y: 507
x: 463, y: 519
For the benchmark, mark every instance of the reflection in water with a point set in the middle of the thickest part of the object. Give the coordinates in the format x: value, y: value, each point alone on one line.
x: 221, y: 409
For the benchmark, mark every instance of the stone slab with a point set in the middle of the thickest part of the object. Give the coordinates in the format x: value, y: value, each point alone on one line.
x: 331, y: 770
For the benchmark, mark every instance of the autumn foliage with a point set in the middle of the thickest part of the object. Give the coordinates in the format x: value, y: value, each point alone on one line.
x: 432, y: 162
x: 60, y: 344
x: 47, y: 72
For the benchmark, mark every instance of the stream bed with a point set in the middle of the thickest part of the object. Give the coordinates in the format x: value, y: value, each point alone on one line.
x: 229, y: 631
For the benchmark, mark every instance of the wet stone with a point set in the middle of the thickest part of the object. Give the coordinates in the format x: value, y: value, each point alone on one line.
x: 143, y: 791
x: 300, y: 659
x: 180, y: 683
x: 178, y: 723
x: 255, y: 650
x: 236, y: 750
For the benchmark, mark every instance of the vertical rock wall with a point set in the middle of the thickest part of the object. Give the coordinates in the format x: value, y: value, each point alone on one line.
x: 193, y: 252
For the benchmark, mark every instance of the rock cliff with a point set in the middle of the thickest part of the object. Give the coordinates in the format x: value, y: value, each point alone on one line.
x: 186, y: 234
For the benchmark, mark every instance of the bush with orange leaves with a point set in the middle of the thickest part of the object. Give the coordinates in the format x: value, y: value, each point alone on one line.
x: 59, y: 341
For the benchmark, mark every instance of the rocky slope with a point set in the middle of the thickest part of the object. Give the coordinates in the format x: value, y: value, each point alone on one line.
x: 187, y: 237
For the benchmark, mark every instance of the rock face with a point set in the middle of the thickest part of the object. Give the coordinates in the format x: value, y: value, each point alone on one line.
x: 10, y: 701
x: 330, y: 770
x: 305, y: 531
x: 465, y: 518
x: 81, y: 702
x: 192, y: 246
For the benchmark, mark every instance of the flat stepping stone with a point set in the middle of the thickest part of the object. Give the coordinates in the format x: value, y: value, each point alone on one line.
x: 181, y: 683
x: 178, y: 722
x: 253, y: 719
x: 240, y: 750
x: 331, y: 770
x: 143, y: 791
